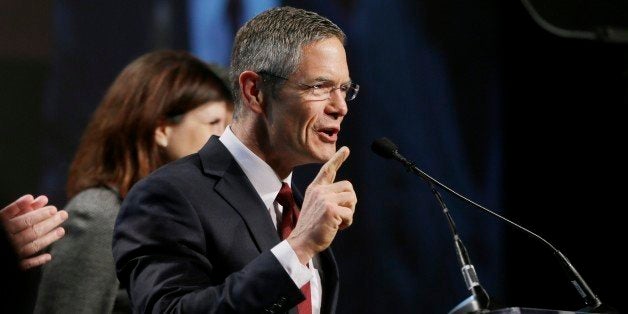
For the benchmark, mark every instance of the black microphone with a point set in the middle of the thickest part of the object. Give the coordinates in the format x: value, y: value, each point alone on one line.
x: 479, y: 299
x: 385, y: 148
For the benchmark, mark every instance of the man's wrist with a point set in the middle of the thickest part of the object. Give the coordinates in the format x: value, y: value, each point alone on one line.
x: 300, y: 273
x: 303, y: 253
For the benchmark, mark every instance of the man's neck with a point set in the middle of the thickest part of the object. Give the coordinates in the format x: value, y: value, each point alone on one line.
x: 257, y: 141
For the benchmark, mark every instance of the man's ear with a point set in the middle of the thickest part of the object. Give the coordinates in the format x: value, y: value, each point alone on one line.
x: 162, y: 133
x: 250, y: 87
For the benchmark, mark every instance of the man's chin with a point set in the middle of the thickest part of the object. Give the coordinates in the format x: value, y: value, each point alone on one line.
x: 320, y: 154
x: 325, y: 153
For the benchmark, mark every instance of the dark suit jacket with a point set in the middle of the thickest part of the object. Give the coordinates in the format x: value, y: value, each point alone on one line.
x: 194, y: 237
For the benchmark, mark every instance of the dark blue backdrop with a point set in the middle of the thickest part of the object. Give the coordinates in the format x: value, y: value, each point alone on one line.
x: 475, y: 93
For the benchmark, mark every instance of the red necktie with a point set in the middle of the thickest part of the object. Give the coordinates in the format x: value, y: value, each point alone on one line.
x: 289, y: 218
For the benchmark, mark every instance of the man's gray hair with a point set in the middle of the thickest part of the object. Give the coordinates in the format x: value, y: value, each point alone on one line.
x: 273, y: 41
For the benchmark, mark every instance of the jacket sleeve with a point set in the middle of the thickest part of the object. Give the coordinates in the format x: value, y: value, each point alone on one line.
x: 81, y: 277
x: 161, y: 257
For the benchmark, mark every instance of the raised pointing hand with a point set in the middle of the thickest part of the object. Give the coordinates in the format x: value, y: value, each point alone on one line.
x: 328, y: 206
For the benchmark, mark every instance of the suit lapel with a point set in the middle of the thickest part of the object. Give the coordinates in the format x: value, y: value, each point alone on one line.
x: 238, y: 191
x: 330, y: 281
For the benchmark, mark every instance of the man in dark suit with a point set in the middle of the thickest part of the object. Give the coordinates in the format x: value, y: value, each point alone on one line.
x: 219, y: 231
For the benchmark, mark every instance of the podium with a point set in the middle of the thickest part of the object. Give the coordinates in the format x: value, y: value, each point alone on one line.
x: 524, y: 310
x: 473, y: 305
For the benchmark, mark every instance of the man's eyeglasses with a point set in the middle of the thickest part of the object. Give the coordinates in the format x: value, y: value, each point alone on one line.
x: 323, y: 90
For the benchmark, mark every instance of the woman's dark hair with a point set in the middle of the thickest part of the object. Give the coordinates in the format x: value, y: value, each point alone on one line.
x: 118, y: 146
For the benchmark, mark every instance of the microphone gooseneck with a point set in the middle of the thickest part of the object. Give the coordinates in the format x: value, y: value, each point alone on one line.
x: 387, y: 149
x: 480, y: 299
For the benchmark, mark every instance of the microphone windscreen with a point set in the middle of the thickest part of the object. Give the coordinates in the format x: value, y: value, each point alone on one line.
x: 384, y: 147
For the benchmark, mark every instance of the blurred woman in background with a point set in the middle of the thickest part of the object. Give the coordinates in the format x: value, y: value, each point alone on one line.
x: 162, y: 106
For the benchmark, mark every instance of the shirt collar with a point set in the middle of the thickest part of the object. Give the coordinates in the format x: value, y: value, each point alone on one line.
x: 261, y: 175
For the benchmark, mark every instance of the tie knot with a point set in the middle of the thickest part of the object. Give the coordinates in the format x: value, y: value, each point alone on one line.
x: 285, y: 198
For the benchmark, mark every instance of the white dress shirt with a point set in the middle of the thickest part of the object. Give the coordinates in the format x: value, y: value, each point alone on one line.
x: 267, y: 185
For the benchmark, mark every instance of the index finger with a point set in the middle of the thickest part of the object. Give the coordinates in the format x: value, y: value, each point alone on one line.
x: 13, y: 209
x: 328, y: 171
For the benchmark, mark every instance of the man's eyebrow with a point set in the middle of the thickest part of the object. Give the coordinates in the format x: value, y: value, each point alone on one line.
x: 327, y: 79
